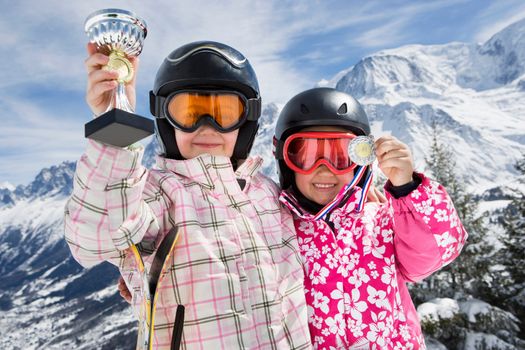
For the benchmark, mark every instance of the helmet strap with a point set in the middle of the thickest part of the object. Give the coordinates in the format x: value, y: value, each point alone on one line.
x: 245, y: 139
x: 166, y: 133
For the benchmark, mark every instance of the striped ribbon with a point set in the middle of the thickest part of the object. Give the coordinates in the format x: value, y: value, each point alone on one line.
x: 327, y: 208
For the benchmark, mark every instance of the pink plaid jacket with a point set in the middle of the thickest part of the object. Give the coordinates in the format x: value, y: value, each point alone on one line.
x: 357, y: 270
x: 236, y: 266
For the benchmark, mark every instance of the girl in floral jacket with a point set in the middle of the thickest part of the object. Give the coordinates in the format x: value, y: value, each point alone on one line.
x: 207, y: 252
x: 358, y: 256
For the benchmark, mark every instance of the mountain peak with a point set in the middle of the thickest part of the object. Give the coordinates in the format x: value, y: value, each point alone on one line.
x: 55, y: 180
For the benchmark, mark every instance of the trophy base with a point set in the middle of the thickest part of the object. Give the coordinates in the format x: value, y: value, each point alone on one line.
x: 119, y: 128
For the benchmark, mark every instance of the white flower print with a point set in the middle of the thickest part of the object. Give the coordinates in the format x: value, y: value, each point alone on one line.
x: 415, y: 194
x: 356, y: 327
x: 445, y: 239
x: 378, y: 298
x: 344, y: 299
x: 325, y: 249
x: 441, y: 215
x: 323, y: 238
x: 388, y: 235
x: 348, y: 239
x: 347, y: 263
x: 371, y: 245
x: 379, y: 331
x: 374, y: 274
x: 304, y: 245
x: 388, y: 272
x: 359, y: 277
x: 320, y: 302
x: 336, y: 325
x: 331, y: 260
x: 357, y: 306
x: 318, y: 340
x: 378, y: 251
x: 316, y: 321
x: 319, y: 274
x: 425, y: 207
x: 357, y: 231
x: 449, y: 252
x: 406, y: 346
x: 307, y: 227
x: 404, y: 331
x: 437, y: 198
x: 314, y: 251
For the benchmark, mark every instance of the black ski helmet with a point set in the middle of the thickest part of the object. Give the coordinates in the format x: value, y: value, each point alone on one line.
x: 205, y: 65
x: 316, y: 107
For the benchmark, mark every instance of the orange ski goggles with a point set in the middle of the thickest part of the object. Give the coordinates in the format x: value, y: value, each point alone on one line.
x: 226, y: 111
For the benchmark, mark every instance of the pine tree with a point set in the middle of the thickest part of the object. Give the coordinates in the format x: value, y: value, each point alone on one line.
x: 512, y: 255
x: 514, y: 225
x: 467, y: 275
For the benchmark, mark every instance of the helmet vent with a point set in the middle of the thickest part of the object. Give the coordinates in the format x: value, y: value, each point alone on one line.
x: 304, y: 109
x: 343, y: 109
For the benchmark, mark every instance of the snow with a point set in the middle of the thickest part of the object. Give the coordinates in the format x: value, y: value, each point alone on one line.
x: 7, y: 185
x: 485, y: 341
x: 474, y: 307
x: 439, y: 308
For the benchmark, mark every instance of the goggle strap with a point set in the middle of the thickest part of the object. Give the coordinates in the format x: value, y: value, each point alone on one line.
x: 157, y: 105
x: 327, y: 208
x: 254, y: 108
x: 278, y: 149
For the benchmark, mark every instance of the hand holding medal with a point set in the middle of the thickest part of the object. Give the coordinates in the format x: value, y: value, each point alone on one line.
x: 395, y: 160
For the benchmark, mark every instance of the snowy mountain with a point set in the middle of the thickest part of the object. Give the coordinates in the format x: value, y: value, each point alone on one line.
x: 48, y: 301
x: 475, y: 93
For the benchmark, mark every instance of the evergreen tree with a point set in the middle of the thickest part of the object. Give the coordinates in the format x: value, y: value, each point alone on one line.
x: 468, y: 274
x: 512, y: 255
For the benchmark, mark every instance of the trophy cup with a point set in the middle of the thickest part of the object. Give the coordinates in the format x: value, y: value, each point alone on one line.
x: 119, y: 34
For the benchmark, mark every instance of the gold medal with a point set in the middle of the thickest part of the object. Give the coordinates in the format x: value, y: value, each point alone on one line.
x: 119, y: 63
x: 361, y: 150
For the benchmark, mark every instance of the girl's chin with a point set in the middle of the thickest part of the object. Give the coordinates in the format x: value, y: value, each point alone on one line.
x: 323, y: 199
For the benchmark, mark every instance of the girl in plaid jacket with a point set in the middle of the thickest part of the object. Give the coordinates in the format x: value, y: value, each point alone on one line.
x: 209, y: 255
x: 358, y: 256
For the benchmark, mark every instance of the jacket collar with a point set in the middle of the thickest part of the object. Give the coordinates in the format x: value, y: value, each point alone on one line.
x: 212, y: 172
x: 348, y: 205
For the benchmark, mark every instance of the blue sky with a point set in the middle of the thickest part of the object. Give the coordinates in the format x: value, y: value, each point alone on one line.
x: 292, y: 45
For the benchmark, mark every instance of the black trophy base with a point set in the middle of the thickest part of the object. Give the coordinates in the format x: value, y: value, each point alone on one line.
x: 119, y: 128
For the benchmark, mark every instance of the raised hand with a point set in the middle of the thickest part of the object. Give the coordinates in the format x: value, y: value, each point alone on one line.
x: 101, y: 82
x: 395, y: 160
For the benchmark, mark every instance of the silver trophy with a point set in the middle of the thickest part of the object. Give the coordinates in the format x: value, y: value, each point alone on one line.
x: 119, y: 34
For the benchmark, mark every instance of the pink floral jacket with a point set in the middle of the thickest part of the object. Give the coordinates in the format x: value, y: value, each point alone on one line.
x: 357, y: 269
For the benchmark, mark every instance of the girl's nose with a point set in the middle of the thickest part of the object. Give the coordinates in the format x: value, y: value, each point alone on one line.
x: 207, y: 130
x: 323, y: 169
